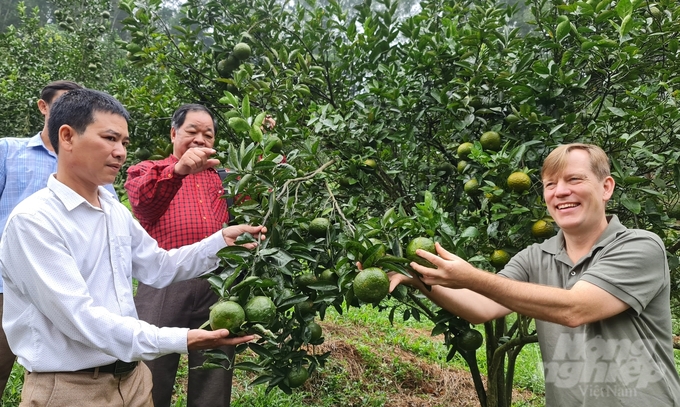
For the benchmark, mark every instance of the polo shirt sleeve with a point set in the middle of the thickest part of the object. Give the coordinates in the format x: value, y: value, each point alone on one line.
x: 519, y: 267
x: 633, y: 268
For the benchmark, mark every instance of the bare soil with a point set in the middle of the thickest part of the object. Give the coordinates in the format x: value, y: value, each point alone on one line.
x: 435, y: 386
x: 430, y: 385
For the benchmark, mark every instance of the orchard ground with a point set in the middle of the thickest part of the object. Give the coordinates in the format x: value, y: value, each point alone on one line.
x: 374, y: 363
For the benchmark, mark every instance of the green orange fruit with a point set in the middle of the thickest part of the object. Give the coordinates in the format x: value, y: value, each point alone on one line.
x: 519, y: 182
x: 491, y: 141
x: 297, y: 376
x: 499, y: 258
x: 471, y: 187
x: 315, y: 331
x: 318, y: 227
x: 227, y: 315
x: 260, y: 309
x: 371, y: 285
x: 542, y: 229
x: 470, y: 340
x: 423, y: 243
x: 241, y: 51
x: 465, y: 149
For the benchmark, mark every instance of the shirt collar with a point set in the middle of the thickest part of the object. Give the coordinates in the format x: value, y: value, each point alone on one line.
x: 37, y: 142
x: 70, y: 198
x: 614, y: 227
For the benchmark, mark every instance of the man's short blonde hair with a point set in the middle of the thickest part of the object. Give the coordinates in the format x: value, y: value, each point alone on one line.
x: 557, y: 160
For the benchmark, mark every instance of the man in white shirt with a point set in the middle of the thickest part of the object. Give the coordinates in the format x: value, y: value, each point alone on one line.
x: 25, y: 165
x: 68, y: 255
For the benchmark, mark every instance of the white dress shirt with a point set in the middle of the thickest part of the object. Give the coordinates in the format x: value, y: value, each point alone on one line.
x: 68, y: 269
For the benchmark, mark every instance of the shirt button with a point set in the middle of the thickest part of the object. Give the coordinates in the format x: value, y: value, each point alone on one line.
x: 204, y: 218
x: 198, y: 186
x: 573, y: 273
x: 200, y: 201
x: 170, y: 175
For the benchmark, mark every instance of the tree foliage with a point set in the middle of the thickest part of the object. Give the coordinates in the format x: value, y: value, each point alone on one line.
x: 347, y: 86
x: 34, y: 54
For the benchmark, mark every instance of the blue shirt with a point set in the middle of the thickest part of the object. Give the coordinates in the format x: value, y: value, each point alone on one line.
x: 25, y: 166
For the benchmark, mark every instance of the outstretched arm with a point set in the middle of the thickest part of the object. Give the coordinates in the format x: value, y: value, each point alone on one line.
x: 199, y: 339
x: 464, y: 303
x: 583, y: 303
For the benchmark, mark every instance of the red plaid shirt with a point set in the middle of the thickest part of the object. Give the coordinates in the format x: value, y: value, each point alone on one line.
x: 176, y: 210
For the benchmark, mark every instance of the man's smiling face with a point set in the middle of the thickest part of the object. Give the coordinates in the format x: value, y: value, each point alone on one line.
x: 575, y: 197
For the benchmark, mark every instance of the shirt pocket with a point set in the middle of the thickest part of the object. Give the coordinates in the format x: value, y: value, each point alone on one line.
x: 123, y: 255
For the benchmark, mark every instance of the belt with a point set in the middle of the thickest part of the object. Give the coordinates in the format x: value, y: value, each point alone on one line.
x: 118, y: 368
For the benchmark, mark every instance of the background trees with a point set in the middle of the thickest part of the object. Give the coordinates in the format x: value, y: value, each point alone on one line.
x: 404, y: 85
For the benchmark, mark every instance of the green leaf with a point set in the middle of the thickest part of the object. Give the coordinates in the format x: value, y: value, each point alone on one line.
x: 373, y: 253
x: 245, y: 106
x: 439, y: 329
x: 617, y: 111
x: 626, y: 25
x: 280, y: 258
x: 452, y: 353
x: 255, y: 133
x: 602, y: 5
x: 247, y: 282
x: 239, y: 124
x: 229, y: 99
x: 259, y: 119
x: 248, y: 366
x: 470, y: 232
x: 624, y: 8
x: 631, y: 204
x: 289, y: 302
x: 260, y: 379
x: 260, y: 350
x: 386, y: 217
x: 563, y: 30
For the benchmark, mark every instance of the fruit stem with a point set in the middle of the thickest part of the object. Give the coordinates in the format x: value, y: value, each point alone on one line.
x: 422, y: 306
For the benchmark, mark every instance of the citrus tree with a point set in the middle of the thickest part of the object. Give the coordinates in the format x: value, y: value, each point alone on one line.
x: 395, y: 127
x: 74, y: 45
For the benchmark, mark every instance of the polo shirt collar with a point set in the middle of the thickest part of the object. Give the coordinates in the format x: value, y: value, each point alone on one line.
x: 614, y: 227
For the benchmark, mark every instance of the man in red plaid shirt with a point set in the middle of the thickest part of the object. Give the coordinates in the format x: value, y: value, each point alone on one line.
x: 178, y: 201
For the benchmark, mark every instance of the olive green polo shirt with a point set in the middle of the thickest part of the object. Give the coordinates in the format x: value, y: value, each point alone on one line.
x: 624, y: 360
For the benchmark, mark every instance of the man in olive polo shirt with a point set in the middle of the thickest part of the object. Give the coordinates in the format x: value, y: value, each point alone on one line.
x: 599, y: 292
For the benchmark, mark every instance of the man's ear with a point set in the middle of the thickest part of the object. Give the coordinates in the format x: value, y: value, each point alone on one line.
x: 43, y: 107
x: 66, y: 136
x: 609, y: 185
x: 173, y: 133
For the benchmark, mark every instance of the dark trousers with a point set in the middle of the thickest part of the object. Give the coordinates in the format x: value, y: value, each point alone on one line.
x: 184, y: 304
x: 6, y: 356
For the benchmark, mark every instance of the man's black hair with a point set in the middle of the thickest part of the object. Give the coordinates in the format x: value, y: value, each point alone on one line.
x: 76, y: 108
x: 50, y: 91
x: 181, y: 114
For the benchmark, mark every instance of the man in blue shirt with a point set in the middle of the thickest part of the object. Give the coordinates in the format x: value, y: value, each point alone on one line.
x: 25, y: 165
